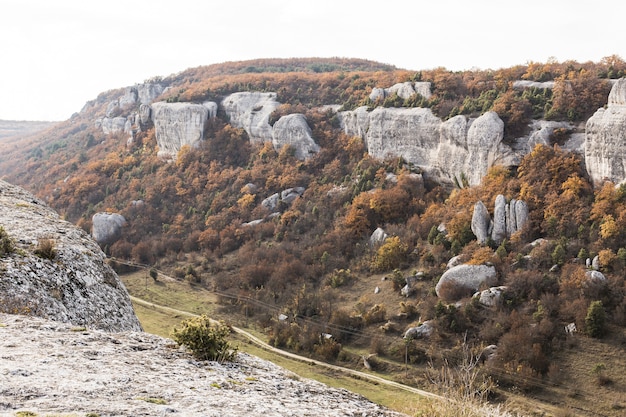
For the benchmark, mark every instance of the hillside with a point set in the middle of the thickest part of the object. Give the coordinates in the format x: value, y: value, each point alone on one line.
x: 316, y: 190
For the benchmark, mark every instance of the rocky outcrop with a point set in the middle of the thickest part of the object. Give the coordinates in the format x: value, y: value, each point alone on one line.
x: 176, y: 125
x: 251, y: 112
x: 490, y: 297
x: 449, y: 152
x: 378, y: 237
x: 71, y: 283
x: 605, y: 148
x: 508, y: 218
x: 403, y: 90
x: 294, y: 131
x: 106, y: 228
x: 481, y: 223
x: 463, y: 280
x: 422, y: 331
x: 285, y: 197
x: 49, y: 368
x: 114, y: 125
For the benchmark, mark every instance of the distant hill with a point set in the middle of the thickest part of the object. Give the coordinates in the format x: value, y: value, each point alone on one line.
x: 11, y: 128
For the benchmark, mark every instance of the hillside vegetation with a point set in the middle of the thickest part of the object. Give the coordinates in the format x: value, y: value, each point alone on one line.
x: 314, y: 263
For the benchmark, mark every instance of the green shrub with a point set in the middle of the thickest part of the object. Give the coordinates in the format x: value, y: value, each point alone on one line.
x: 595, y: 321
x: 207, y: 341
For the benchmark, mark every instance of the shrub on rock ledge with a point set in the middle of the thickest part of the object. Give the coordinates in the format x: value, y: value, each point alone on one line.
x: 205, y: 340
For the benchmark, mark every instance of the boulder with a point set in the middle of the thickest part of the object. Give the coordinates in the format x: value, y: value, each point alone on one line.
x: 595, y: 262
x: 605, y: 149
x: 463, y: 280
x: 422, y: 331
x: 73, y: 284
x: 106, y: 228
x: 251, y: 112
x: 271, y: 202
x: 481, y: 222
x: 176, y: 125
x: 378, y: 237
x: 595, y: 276
x: 490, y: 297
x: 294, y: 131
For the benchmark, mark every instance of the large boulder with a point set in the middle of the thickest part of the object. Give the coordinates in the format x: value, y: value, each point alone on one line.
x: 464, y: 280
x: 106, y: 228
x: 294, y: 131
x: 70, y: 282
x: 605, y: 148
x: 251, y: 110
x: 176, y: 125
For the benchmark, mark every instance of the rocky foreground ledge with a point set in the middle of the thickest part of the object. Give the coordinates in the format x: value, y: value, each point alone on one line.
x: 51, y: 367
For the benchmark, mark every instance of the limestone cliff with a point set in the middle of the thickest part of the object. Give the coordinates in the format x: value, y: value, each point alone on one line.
x: 176, y: 125
x: 72, y: 283
x: 457, y: 148
x: 251, y: 111
x: 605, y: 148
x: 293, y: 130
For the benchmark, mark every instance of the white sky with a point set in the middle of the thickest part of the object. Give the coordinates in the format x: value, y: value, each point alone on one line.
x: 55, y: 55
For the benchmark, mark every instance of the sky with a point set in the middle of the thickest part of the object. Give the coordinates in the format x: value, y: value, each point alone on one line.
x: 57, y: 55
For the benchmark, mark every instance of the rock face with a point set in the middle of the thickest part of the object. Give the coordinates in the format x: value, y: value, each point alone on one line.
x: 106, y: 228
x: 481, y: 222
x: 605, y: 148
x: 176, y: 125
x: 403, y: 90
x: 76, y: 286
x: 463, y: 280
x: 251, y: 112
x: 447, y: 151
x: 508, y: 218
x: 49, y: 369
x: 293, y: 130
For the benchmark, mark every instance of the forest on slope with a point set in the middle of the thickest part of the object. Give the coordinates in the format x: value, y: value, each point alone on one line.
x: 308, y: 261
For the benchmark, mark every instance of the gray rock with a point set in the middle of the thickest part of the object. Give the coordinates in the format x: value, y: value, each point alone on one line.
x: 113, y: 125
x: 378, y: 237
x: 251, y: 111
x: 521, y: 215
x: 211, y: 106
x: 443, y: 150
x: 289, y: 195
x: 605, y: 149
x: 271, y: 202
x: 293, y: 130
x: 595, y: 276
x: 77, y: 286
x: 491, y: 297
x: 481, y: 222
x: 107, y: 227
x: 145, y: 115
x: 465, y: 279
x: 595, y: 263
x: 499, y: 232
x: 176, y: 125
x: 422, y: 331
